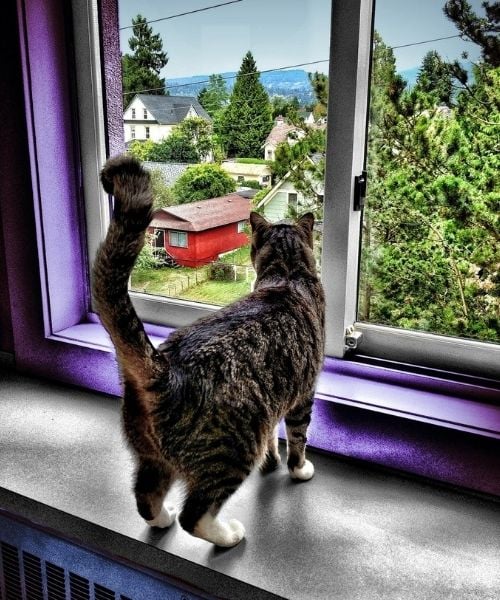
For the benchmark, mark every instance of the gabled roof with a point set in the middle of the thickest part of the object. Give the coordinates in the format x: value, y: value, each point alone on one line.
x: 280, y: 132
x: 170, y: 110
x: 202, y: 215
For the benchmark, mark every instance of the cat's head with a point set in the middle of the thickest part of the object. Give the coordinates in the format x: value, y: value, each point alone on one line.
x: 282, y: 246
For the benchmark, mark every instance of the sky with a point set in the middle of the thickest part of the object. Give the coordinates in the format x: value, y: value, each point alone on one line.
x: 282, y: 32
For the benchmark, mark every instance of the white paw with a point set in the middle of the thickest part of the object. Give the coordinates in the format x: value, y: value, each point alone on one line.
x: 164, y: 519
x: 219, y: 533
x: 303, y: 473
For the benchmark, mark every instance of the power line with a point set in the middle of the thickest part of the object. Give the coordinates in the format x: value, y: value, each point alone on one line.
x: 179, y: 85
x: 314, y: 62
x: 449, y: 37
x: 190, y: 12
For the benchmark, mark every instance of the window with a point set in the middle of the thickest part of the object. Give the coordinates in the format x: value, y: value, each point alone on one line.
x: 242, y: 225
x: 159, y: 238
x: 147, y: 133
x: 178, y: 238
x: 292, y: 202
x: 133, y: 113
x: 132, y: 132
x: 145, y: 113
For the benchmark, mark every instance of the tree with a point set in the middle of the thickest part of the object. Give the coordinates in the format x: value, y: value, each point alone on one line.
x: 247, y: 120
x: 190, y: 142
x: 201, y: 182
x: 319, y: 84
x: 214, y: 97
x: 431, y: 247
x: 435, y: 78
x: 481, y: 31
x: 141, y: 70
x: 286, y: 108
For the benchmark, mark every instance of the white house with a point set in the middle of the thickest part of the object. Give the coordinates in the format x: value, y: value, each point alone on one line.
x: 152, y: 117
x: 281, y: 132
x: 277, y: 203
x: 243, y: 171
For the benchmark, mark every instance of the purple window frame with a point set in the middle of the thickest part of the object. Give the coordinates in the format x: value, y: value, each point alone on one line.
x: 442, y: 429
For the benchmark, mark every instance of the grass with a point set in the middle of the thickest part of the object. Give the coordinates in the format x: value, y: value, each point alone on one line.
x: 189, y: 284
x: 241, y: 256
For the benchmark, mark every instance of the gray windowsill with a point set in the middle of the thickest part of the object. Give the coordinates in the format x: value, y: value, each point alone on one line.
x: 352, y: 532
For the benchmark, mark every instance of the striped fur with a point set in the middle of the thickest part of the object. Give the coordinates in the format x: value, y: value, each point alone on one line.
x: 205, y: 405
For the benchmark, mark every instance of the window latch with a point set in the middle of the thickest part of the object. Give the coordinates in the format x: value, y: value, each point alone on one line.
x: 359, y: 191
x: 352, y: 338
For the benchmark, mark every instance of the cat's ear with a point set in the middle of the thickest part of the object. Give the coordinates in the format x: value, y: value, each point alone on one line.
x: 258, y: 222
x: 306, y: 224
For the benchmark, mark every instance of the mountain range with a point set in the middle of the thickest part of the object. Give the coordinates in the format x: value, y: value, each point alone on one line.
x: 294, y: 82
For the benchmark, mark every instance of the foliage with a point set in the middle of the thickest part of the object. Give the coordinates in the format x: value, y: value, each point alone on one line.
x: 247, y: 120
x: 147, y: 258
x: 431, y: 247
x: 252, y: 161
x: 251, y: 183
x: 481, y: 31
x: 201, y: 182
x: 190, y: 142
x: 141, y: 70
x: 214, y: 97
x: 162, y: 195
x: 285, y: 107
x: 221, y: 271
x: 319, y: 84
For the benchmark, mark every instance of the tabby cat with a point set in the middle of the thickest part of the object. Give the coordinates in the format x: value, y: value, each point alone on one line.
x: 205, y: 405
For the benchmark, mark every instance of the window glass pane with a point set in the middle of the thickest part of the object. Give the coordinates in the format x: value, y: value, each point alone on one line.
x: 236, y: 122
x: 430, y: 245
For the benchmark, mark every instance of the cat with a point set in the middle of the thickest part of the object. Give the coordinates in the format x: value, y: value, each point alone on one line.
x: 204, y: 407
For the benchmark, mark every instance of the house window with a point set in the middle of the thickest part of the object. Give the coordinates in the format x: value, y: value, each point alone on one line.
x: 178, y: 238
x: 159, y: 238
x: 240, y: 178
x: 357, y: 299
x: 292, y: 202
x: 145, y: 113
x: 242, y: 226
x: 147, y: 133
x: 132, y: 132
x: 133, y: 113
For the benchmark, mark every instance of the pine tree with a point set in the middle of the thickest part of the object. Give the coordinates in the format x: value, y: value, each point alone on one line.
x: 435, y: 78
x: 247, y: 120
x: 141, y: 70
x: 214, y: 96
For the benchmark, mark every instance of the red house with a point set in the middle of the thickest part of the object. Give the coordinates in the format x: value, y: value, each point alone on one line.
x: 195, y: 234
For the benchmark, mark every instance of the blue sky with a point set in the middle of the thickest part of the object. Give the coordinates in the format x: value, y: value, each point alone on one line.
x: 282, y: 32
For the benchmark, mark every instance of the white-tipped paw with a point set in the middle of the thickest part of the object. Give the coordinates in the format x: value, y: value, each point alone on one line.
x: 164, y: 519
x: 303, y: 473
x: 220, y: 533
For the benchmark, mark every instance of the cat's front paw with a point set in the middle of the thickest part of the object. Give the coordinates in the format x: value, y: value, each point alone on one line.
x: 164, y: 519
x: 303, y: 473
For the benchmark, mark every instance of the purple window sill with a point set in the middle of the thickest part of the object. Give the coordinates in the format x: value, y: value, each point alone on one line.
x: 348, y: 383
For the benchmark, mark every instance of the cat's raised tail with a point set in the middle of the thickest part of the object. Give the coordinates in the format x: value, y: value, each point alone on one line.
x: 129, y: 183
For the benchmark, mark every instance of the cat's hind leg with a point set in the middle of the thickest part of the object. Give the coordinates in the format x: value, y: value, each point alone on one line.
x: 153, y: 480
x: 200, y: 515
x: 297, y: 422
x: 272, y: 458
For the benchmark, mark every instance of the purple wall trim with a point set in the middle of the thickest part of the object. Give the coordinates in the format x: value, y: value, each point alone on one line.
x: 112, y: 75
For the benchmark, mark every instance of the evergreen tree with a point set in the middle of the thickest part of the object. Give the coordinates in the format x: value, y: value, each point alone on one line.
x: 435, y: 78
x: 141, y: 70
x: 319, y: 84
x: 214, y: 97
x: 247, y: 120
x: 482, y: 31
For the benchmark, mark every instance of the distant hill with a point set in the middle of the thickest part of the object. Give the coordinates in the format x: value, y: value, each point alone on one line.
x: 277, y: 83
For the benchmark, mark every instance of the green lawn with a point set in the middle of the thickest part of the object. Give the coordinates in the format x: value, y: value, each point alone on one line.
x: 241, y: 256
x: 188, y: 284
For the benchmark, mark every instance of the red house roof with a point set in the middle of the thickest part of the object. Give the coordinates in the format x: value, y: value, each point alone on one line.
x: 202, y: 215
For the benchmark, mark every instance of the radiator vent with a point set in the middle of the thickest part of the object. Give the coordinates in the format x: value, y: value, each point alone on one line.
x: 27, y: 577
x: 33, y: 577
